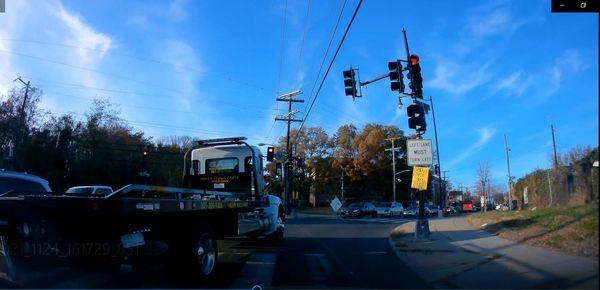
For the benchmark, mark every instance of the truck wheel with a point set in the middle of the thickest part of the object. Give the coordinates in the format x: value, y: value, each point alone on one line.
x: 205, y: 255
x: 194, y: 258
x: 6, y: 259
x: 278, y: 235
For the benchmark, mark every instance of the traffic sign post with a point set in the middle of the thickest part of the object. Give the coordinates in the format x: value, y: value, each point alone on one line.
x: 419, y: 152
x: 420, y: 156
x: 420, y: 178
x: 335, y: 204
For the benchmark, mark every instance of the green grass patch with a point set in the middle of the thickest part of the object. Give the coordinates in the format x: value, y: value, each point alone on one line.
x: 573, y: 228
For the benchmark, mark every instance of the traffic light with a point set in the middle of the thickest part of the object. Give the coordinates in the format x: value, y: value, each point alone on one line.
x: 278, y: 171
x: 145, y: 160
x: 416, y: 80
x: 416, y: 117
x: 299, y: 161
x: 270, y: 153
x: 396, y: 77
x: 350, y: 83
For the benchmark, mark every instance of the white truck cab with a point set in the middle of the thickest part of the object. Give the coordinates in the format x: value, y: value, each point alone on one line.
x: 231, y: 165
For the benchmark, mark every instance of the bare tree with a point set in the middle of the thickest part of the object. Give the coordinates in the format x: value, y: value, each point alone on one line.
x: 483, y: 179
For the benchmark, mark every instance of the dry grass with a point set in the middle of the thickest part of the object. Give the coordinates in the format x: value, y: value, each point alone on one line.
x: 568, y: 228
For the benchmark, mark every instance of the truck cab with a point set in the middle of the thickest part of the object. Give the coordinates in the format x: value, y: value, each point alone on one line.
x: 227, y: 168
x: 231, y: 165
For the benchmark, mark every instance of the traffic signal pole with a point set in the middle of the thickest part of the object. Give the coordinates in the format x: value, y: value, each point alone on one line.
x: 415, y: 111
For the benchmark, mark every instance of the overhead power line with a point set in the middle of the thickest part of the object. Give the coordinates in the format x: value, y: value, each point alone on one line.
x: 143, y: 59
x: 333, y: 32
x: 331, y: 63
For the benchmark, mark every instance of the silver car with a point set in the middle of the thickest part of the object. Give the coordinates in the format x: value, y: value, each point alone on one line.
x: 390, y: 209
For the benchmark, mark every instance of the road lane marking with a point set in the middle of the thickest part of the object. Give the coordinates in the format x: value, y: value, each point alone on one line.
x: 258, y: 270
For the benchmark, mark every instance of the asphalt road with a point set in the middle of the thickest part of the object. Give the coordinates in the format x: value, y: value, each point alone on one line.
x: 318, y: 252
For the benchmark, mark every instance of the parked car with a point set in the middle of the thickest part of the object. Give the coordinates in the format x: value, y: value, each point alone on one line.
x: 89, y: 190
x: 359, y: 209
x: 449, y: 210
x: 17, y: 183
x: 502, y: 207
x: 431, y: 210
x: 390, y: 209
x: 411, y: 211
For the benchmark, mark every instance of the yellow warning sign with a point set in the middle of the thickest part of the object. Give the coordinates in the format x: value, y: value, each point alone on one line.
x: 420, y: 178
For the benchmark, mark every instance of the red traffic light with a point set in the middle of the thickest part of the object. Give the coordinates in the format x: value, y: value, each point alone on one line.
x: 414, y: 59
x: 271, y: 149
x: 145, y: 153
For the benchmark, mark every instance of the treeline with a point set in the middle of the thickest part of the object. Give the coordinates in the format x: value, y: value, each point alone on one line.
x: 103, y: 149
x: 572, y: 179
x: 357, y: 156
x: 100, y: 149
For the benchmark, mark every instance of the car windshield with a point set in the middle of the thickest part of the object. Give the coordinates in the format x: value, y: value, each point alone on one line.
x: 80, y: 190
x: 13, y: 185
x: 299, y: 144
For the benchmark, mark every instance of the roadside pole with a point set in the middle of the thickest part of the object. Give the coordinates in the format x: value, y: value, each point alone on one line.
x: 437, y: 153
x: 393, y: 149
x: 288, y: 118
x: 509, y: 202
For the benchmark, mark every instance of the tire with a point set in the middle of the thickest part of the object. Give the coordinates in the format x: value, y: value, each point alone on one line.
x: 196, y: 258
x: 7, y: 260
x: 374, y: 215
x: 277, y: 236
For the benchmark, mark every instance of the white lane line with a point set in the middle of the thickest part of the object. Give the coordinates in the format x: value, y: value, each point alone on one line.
x: 314, y: 254
x: 257, y: 271
x: 376, y: 253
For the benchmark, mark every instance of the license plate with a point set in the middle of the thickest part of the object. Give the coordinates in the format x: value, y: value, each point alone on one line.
x: 132, y: 240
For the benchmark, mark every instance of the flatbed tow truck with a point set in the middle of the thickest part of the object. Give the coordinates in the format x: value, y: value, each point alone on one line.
x: 222, y: 196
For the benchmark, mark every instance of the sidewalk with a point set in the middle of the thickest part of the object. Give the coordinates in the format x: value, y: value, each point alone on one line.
x: 460, y: 256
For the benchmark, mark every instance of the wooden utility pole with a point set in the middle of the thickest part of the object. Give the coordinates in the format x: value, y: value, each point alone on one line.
x: 508, y: 172
x: 289, y: 118
x: 393, y: 149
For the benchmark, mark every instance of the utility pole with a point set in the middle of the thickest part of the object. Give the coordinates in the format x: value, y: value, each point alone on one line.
x: 508, y: 171
x: 393, y: 149
x: 20, y: 132
x: 444, y: 184
x: 549, y: 186
x: 437, y: 149
x: 289, y: 118
x: 554, y: 146
x: 342, y: 189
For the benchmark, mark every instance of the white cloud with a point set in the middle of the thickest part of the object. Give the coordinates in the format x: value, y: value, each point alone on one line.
x: 459, y: 78
x: 515, y: 83
x: 569, y: 61
x: 139, y: 21
x: 493, y: 23
x: 89, y: 45
x: 187, y: 69
x: 485, y: 135
x: 176, y: 11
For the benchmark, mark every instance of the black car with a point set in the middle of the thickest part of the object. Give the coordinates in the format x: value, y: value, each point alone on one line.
x: 359, y: 209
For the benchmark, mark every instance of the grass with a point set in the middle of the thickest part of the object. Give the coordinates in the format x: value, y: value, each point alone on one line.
x: 568, y: 228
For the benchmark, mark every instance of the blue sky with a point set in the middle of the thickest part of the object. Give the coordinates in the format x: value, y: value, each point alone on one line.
x: 212, y: 68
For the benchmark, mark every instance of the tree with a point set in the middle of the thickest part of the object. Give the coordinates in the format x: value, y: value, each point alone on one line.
x: 483, y: 179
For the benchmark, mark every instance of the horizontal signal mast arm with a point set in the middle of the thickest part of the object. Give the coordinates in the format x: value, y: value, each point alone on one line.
x: 375, y: 79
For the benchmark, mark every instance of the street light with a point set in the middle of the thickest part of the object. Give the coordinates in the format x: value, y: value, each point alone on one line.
x: 401, y: 172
